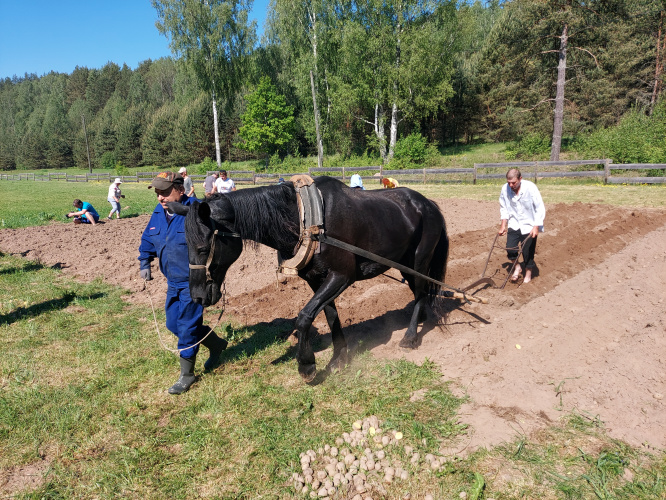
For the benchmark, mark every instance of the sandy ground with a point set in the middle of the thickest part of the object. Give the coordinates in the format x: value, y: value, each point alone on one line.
x: 587, y: 334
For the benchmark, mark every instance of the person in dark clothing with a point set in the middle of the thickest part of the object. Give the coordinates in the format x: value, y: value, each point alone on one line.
x: 164, y: 239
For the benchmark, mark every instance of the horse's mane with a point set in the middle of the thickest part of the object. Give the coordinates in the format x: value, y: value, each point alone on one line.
x: 265, y: 214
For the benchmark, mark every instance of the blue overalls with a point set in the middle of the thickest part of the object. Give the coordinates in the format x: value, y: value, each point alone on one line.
x: 166, y: 241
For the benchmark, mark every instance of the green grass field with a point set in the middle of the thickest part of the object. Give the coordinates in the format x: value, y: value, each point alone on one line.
x: 83, y: 400
x: 30, y: 203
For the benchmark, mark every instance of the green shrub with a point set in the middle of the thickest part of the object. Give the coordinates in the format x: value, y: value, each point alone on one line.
x: 108, y: 160
x: 121, y: 169
x: 529, y: 146
x: 637, y: 138
x: 207, y: 165
x: 412, y: 151
x: 411, y: 148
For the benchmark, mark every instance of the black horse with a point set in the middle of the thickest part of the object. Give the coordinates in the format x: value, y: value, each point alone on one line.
x: 398, y: 224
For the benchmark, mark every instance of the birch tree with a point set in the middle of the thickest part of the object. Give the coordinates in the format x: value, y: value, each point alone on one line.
x: 303, y: 31
x: 214, y: 37
x: 396, y: 64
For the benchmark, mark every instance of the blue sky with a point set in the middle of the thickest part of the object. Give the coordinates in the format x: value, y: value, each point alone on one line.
x: 38, y: 36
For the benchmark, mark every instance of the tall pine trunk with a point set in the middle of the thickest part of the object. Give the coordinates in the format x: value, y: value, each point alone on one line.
x: 393, y: 138
x: 658, y: 67
x: 218, y: 155
x: 556, y: 145
x: 380, y: 120
x: 320, y: 146
x: 317, y: 115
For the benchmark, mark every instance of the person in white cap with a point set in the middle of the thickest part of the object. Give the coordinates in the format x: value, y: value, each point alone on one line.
x: 356, y: 182
x: 187, y: 182
x: 114, y: 197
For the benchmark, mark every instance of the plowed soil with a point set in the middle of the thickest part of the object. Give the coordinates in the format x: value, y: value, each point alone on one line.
x: 587, y: 334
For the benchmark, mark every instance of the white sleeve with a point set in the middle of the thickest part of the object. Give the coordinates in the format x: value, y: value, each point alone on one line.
x: 539, y: 207
x: 504, y: 213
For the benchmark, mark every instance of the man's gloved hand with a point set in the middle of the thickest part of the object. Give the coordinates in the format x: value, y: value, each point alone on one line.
x: 145, y: 274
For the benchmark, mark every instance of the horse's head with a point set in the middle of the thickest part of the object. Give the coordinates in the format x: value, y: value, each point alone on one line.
x: 212, y: 247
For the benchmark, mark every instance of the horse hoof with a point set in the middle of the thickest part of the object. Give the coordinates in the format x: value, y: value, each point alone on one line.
x: 308, y: 372
x: 407, y: 343
x: 337, y: 364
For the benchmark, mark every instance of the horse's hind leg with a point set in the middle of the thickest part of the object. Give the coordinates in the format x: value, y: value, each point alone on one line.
x: 410, y: 339
x: 339, y: 359
x: 422, y: 260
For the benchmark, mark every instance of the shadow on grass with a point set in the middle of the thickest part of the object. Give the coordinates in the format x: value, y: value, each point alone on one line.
x: 265, y: 334
x: 42, y: 307
x: 32, y: 266
x: 360, y: 337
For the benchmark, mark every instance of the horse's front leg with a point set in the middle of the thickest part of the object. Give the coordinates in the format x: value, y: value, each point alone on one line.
x: 333, y: 285
x: 339, y: 359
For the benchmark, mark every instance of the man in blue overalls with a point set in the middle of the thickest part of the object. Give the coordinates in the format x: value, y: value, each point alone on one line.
x: 164, y: 238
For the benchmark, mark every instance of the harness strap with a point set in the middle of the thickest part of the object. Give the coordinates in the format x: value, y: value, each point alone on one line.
x: 211, y: 253
x: 323, y: 238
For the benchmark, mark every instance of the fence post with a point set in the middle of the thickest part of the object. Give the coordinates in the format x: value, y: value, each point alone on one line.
x: 607, y: 163
x: 424, y: 177
x: 474, y: 178
x: 536, y: 169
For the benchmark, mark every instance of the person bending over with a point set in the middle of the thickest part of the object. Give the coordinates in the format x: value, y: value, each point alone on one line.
x: 85, y: 213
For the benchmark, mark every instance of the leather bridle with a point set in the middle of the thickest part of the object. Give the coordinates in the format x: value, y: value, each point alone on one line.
x: 211, y: 253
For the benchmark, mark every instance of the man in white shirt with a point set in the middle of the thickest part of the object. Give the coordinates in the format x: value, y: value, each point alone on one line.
x: 223, y: 184
x: 522, y: 212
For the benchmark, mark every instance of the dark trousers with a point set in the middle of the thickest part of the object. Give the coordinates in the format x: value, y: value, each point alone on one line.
x: 513, y: 239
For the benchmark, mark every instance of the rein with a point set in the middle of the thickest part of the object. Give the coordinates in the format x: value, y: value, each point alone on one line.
x: 457, y: 293
x: 157, y: 328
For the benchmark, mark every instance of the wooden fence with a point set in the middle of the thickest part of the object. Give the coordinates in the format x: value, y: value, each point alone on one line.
x: 532, y: 170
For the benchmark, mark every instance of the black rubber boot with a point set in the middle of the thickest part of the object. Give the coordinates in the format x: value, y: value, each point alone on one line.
x: 216, y: 345
x: 187, y: 377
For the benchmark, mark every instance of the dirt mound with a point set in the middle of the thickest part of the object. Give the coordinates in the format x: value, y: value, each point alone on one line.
x: 586, y: 334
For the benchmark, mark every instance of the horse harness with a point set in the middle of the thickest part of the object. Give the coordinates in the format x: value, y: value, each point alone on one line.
x: 311, y: 219
x: 311, y: 222
x: 211, y: 253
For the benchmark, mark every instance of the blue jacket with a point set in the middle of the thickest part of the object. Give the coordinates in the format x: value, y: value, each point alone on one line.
x: 166, y: 241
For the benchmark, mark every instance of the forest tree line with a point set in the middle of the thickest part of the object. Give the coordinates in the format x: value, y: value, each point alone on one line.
x: 354, y: 77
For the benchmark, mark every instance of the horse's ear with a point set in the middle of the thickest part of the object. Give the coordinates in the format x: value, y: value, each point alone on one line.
x: 178, y: 208
x: 204, y: 211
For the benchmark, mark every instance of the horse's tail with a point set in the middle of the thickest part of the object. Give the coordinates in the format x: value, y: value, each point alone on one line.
x: 438, y: 268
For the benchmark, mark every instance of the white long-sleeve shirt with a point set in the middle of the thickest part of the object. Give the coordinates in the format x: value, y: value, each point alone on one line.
x: 523, y: 210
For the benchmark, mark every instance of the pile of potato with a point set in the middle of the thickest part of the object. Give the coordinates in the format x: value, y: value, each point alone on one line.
x: 359, y: 465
